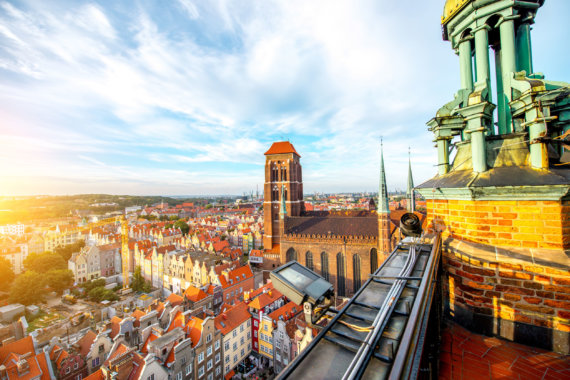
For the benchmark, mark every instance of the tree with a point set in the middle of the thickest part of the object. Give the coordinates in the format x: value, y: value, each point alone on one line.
x: 6, y: 274
x: 68, y: 250
x: 139, y: 284
x: 182, y: 226
x: 28, y: 288
x: 169, y: 225
x: 44, y: 262
x: 59, y: 280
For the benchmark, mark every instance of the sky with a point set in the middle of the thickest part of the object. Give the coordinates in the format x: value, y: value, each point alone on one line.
x: 185, y: 96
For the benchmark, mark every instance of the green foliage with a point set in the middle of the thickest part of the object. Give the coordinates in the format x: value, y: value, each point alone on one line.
x: 6, y: 274
x: 209, y: 206
x: 169, y: 225
x: 68, y: 250
x: 183, y: 226
x: 100, y: 282
x: 28, y: 288
x: 44, y: 262
x: 99, y: 294
x: 139, y: 284
x: 59, y: 280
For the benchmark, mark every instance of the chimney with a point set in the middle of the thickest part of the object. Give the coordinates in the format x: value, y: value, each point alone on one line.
x: 3, y: 373
x: 23, y: 366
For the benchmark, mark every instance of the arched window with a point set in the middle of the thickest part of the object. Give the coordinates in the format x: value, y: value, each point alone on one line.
x: 274, y: 174
x: 325, y: 265
x: 356, y: 272
x: 373, y: 260
x: 275, y: 194
x: 291, y: 254
x: 340, y: 274
x: 309, y: 260
x: 283, y: 173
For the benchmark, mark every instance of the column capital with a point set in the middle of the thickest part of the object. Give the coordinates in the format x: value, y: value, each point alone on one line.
x: 481, y: 27
x: 502, y: 19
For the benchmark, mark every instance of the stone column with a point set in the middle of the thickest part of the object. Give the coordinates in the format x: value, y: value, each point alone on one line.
x: 443, y: 155
x: 482, y: 57
x: 524, y: 47
x: 465, y: 66
x: 508, y: 65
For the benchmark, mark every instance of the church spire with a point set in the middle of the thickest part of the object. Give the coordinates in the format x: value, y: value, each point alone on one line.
x: 410, y: 191
x: 383, y: 205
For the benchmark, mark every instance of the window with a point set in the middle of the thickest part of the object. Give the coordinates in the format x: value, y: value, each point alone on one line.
x: 309, y: 260
x: 265, y: 327
x: 79, y: 377
x: 76, y: 365
x: 179, y: 376
x: 255, y: 323
x: 278, y: 357
x: 183, y: 360
x: 200, y: 357
x: 227, y: 346
x: 201, y: 371
x: 248, y: 322
x: 241, y: 328
x: 248, y: 334
x: 151, y: 377
x: 188, y: 369
x: 285, y: 361
x: 210, y: 377
x: 356, y: 272
x: 241, y: 341
x: 67, y: 370
x: 234, y: 333
x: 242, y: 353
x: 209, y: 350
x: 217, y: 345
x: 255, y: 333
x: 218, y: 357
x: 255, y: 344
x: 208, y: 338
x: 209, y: 365
x: 235, y: 346
x: 101, y: 348
x: 341, y: 274
x: 227, y: 358
x: 218, y: 370
x: 227, y: 368
x: 235, y: 358
x: 325, y: 265
x: 249, y: 346
x: 95, y: 362
x: 373, y: 260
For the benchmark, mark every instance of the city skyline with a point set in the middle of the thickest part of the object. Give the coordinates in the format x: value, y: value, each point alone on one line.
x: 185, y: 99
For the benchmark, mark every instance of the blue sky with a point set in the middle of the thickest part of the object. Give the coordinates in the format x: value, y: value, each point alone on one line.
x: 184, y: 97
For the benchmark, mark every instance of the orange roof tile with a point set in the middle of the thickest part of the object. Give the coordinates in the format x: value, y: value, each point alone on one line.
x: 85, y: 342
x: 281, y: 147
x: 286, y: 312
x: 175, y: 299
x: 236, y: 276
x: 232, y: 318
x: 265, y: 299
x: 194, y: 330
x: 20, y: 347
x: 194, y: 294
x: 97, y: 375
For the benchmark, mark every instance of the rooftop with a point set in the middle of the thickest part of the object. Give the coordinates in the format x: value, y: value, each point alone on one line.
x: 282, y: 147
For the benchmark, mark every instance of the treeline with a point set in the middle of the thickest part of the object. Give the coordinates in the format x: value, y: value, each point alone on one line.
x: 45, y: 207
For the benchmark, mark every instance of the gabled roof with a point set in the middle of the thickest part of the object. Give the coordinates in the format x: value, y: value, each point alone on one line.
x: 265, y: 299
x: 175, y: 299
x: 281, y: 147
x: 232, y: 318
x: 236, y: 276
x: 86, y: 342
x: 285, y: 312
x: 20, y: 347
x: 194, y: 294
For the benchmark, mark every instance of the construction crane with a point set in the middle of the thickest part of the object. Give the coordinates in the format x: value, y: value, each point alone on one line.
x: 125, y: 253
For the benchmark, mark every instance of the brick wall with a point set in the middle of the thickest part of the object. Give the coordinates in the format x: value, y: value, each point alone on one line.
x: 527, y: 224
x: 533, y: 294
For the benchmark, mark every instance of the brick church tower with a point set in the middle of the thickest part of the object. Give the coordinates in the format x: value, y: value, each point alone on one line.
x: 282, y: 175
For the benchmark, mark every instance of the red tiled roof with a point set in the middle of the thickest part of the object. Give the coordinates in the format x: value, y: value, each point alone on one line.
x: 236, y: 276
x: 286, y: 311
x: 85, y: 342
x: 194, y: 294
x: 265, y: 299
x: 97, y: 375
x: 468, y: 355
x: 175, y: 299
x: 232, y: 318
x: 280, y: 147
x: 19, y: 347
